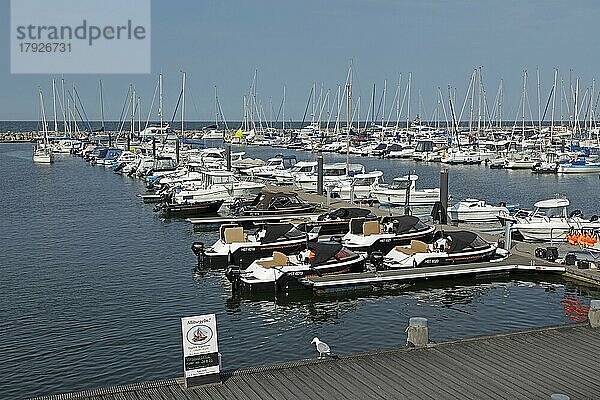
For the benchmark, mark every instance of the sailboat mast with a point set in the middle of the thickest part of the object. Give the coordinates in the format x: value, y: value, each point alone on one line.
x: 182, y: 104
x: 216, y: 108
x: 44, y: 123
x: 64, y: 106
x: 283, y: 111
x: 74, y: 111
x: 160, y: 99
x: 101, y: 105
x: 348, y: 112
x: 539, y: 100
x: 54, y: 104
x: 553, y: 106
x: 523, y: 105
x: 132, y: 90
x: 408, y: 102
x: 382, y: 108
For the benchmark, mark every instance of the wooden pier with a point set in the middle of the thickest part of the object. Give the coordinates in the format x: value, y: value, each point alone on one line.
x: 526, y: 365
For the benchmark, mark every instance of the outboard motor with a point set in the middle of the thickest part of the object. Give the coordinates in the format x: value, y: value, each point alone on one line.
x: 198, y: 249
x: 376, y: 260
x: 576, y: 213
x: 232, y: 273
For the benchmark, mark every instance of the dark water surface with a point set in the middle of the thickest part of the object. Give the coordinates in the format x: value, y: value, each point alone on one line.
x: 94, y: 283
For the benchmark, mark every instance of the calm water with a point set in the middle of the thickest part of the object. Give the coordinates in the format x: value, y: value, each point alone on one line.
x: 94, y: 284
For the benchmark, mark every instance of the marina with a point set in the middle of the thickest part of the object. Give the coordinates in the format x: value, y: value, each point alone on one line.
x: 521, y: 265
x: 299, y: 200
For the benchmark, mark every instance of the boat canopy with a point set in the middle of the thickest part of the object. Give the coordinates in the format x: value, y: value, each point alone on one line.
x: 552, y: 203
x: 348, y: 213
x: 323, y: 251
x: 404, y: 223
x: 266, y: 200
x: 462, y: 240
x: 276, y: 231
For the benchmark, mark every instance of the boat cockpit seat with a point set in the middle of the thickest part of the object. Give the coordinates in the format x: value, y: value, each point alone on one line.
x: 416, y: 246
x: 279, y: 260
x: 234, y: 235
x: 371, y: 228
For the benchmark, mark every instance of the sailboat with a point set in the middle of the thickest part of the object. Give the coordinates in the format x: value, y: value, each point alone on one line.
x: 42, y: 153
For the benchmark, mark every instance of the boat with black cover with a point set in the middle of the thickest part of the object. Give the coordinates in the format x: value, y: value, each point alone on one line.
x: 169, y: 209
x: 338, y: 221
x: 457, y: 247
x: 383, y: 235
x: 235, y: 246
x: 272, y: 203
x: 279, y: 272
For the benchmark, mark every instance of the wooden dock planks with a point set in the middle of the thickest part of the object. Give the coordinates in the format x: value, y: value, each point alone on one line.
x: 522, y: 365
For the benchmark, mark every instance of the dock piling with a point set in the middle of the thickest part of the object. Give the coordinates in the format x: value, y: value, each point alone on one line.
x: 418, y: 332
x: 594, y: 314
x: 320, y: 174
x: 228, y: 155
x: 444, y: 191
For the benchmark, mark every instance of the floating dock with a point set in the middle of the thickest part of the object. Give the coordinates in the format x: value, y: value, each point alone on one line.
x: 344, y: 282
x: 250, y: 219
x: 532, y: 364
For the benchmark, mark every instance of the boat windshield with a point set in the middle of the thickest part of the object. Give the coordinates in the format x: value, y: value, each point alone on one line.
x: 551, y: 212
x: 334, y: 172
x: 399, y: 184
x: 363, y: 181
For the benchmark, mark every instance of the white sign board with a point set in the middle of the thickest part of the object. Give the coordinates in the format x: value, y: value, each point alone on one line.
x: 200, y: 349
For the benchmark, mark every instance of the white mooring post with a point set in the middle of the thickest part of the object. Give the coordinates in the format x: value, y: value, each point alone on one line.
x: 418, y: 332
x: 508, y: 235
x: 594, y: 314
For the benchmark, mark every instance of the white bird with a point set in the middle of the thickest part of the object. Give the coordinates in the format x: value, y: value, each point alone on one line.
x: 322, y: 347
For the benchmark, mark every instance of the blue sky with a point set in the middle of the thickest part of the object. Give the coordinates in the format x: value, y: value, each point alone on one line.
x: 294, y: 43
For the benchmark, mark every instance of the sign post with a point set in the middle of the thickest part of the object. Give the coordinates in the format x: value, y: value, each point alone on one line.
x: 200, y: 350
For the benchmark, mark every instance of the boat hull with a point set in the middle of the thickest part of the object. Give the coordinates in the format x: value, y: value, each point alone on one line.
x: 244, y: 256
x: 191, y: 210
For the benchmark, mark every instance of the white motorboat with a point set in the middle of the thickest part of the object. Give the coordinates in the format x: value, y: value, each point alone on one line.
x: 242, y: 248
x: 549, y: 221
x: 456, y: 247
x: 332, y: 175
x: 373, y: 235
x: 286, y: 176
x: 360, y: 187
x: 277, y: 163
x: 473, y: 210
x: 281, y: 272
x: 394, y: 195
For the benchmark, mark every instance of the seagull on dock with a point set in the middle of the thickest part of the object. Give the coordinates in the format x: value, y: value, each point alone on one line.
x: 322, y: 347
